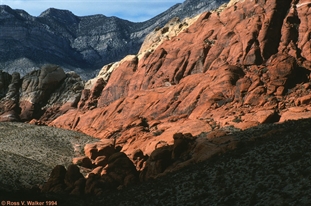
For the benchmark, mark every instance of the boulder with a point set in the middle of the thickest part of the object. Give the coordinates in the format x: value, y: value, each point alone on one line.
x: 261, y: 116
x: 282, y: 70
x: 121, y: 168
x: 119, y: 172
x: 139, y: 159
x: 72, y: 175
x: 78, y: 188
x: 105, y: 147
x: 93, y: 184
x: 304, y: 100
x: 83, y: 162
x: 101, y: 161
x: 62, y: 181
x: 96, y: 171
x: 267, y: 116
x: 120, y: 160
x: 159, y: 160
x: 242, y: 86
x: 182, y: 146
x: 216, y: 133
x: 56, y: 183
x: 257, y: 97
x: 290, y: 115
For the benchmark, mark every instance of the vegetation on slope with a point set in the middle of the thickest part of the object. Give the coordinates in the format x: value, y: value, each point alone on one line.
x: 28, y: 153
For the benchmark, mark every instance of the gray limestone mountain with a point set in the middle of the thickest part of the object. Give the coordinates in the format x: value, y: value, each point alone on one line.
x: 80, y: 44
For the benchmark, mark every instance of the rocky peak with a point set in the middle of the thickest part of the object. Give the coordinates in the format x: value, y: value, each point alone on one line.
x: 63, y: 16
x: 5, y: 9
x: 7, y: 13
x: 53, y: 12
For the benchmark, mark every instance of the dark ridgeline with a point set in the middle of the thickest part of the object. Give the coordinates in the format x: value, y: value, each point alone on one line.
x: 83, y: 44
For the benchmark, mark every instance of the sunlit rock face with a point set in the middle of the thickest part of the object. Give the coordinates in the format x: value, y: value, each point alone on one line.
x: 242, y: 65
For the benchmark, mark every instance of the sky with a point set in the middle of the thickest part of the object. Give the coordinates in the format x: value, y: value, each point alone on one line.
x: 133, y: 10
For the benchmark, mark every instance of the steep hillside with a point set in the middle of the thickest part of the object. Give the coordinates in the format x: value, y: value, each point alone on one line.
x: 81, y: 44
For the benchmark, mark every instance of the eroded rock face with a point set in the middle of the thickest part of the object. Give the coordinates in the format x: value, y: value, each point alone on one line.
x: 9, y: 84
x: 49, y: 91
x: 65, y: 96
x: 240, y: 66
x: 166, y: 157
x: 36, y: 88
x: 106, y: 148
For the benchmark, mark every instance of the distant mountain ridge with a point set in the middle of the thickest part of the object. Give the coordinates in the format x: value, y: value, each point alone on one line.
x: 82, y: 44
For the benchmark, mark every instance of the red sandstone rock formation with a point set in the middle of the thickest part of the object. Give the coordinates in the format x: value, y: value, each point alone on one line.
x: 242, y: 67
x: 246, y: 65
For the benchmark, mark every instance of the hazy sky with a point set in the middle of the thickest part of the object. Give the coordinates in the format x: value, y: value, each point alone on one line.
x: 133, y: 10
